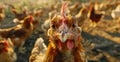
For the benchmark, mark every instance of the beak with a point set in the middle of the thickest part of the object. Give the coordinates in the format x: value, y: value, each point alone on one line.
x: 63, y: 32
x: 31, y: 24
x: 63, y: 36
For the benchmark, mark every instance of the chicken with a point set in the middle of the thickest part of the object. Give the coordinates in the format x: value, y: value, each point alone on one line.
x: 37, y: 12
x: 37, y: 15
x: 64, y: 40
x: 7, y: 53
x: 100, y: 6
x: 19, y: 33
x: 38, y: 51
x: 94, y: 16
x: 2, y: 14
x: 81, y: 16
x: 46, y: 25
x: 74, y: 7
x: 18, y: 15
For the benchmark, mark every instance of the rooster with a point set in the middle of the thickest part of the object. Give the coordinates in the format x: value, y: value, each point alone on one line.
x: 64, y: 40
x: 19, y: 33
x: 7, y: 53
x: 94, y: 16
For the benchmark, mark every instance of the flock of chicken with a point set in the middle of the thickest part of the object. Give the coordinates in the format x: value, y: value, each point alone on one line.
x: 63, y: 29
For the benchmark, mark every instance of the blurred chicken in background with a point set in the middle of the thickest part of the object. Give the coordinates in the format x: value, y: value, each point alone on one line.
x: 81, y: 16
x: 19, y: 15
x: 7, y: 53
x: 94, y: 16
x: 18, y: 34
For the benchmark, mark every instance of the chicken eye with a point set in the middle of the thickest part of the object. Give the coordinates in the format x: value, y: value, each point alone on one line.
x: 73, y: 25
x: 53, y: 26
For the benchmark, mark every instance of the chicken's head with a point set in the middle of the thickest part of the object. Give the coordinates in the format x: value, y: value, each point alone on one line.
x: 64, y: 32
x: 28, y: 21
x: 1, y: 9
x: 3, y: 45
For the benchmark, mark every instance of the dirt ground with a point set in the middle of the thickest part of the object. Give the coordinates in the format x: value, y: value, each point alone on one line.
x: 102, y: 42
x: 106, y: 40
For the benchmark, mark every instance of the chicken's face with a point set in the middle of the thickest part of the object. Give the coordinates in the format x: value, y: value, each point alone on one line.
x: 64, y: 32
x: 3, y: 46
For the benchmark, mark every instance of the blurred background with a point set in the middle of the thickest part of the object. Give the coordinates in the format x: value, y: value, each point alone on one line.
x: 101, y: 39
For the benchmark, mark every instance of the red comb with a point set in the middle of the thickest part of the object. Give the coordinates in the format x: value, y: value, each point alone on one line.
x: 63, y: 9
x: 31, y: 18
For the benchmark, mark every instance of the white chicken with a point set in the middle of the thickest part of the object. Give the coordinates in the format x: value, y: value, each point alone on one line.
x: 38, y: 51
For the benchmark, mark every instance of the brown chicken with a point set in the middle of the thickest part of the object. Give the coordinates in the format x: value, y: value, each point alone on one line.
x: 7, y: 53
x: 74, y: 7
x: 18, y: 15
x: 94, y: 16
x: 2, y: 14
x: 19, y: 33
x: 36, y: 14
x: 64, y: 40
x: 81, y: 16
